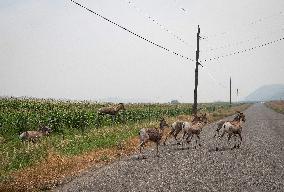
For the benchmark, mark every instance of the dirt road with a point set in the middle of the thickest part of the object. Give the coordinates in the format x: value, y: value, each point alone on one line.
x: 257, y: 166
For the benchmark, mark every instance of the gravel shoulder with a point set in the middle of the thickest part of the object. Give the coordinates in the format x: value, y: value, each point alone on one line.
x: 257, y: 166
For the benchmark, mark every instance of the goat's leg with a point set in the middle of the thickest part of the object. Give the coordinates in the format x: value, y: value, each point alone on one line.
x: 225, y: 130
x: 223, y: 133
x: 198, y: 139
x: 195, y: 141
x: 239, y: 133
x: 175, y: 136
x: 182, y: 141
x: 229, y: 138
x: 189, y: 138
x: 177, y: 142
x: 177, y: 131
x: 235, y: 141
x: 217, y: 131
x: 157, y: 149
x: 141, y: 145
x: 169, y: 134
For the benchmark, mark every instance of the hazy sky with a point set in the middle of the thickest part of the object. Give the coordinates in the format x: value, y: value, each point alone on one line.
x: 53, y: 48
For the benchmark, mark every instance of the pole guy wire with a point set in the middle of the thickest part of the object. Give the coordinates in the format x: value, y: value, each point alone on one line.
x: 214, y: 79
x: 133, y: 33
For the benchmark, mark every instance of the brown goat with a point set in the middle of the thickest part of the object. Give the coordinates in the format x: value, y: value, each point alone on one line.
x: 152, y: 134
x: 177, y: 127
x: 221, y: 123
x: 113, y: 110
x: 35, y: 135
x: 194, y: 128
x: 234, y: 128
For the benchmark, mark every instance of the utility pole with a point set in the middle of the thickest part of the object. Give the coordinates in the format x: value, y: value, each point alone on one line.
x: 194, y: 107
x: 230, y: 91
x: 237, y: 95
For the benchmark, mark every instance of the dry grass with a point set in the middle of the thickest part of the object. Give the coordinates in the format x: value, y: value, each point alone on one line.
x: 57, y: 167
x: 276, y: 105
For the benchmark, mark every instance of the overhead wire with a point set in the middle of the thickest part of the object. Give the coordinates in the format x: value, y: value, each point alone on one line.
x: 244, y: 50
x: 178, y: 54
x: 155, y: 21
x: 214, y: 79
x: 249, y: 24
x: 131, y: 32
x: 241, y: 41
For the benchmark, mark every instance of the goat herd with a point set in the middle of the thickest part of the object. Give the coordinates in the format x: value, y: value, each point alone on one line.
x: 191, y: 129
x: 188, y: 129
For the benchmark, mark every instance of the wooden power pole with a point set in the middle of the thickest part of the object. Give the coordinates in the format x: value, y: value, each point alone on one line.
x: 237, y: 95
x: 194, y: 107
x: 230, y: 91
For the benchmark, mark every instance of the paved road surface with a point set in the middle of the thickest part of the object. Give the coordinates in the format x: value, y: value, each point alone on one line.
x: 257, y: 166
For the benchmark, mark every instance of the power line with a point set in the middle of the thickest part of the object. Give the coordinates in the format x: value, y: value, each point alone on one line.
x: 249, y: 24
x: 242, y: 51
x: 280, y: 13
x: 133, y: 33
x: 231, y: 44
x: 241, y: 42
x: 155, y: 21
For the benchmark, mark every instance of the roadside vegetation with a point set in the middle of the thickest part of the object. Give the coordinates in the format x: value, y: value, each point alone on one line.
x: 278, y: 106
x: 80, y: 138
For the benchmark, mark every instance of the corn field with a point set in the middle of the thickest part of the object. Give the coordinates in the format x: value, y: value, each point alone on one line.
x: 18, y: 115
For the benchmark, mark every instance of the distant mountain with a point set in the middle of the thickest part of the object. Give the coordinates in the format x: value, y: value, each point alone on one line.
x: 267, y: 93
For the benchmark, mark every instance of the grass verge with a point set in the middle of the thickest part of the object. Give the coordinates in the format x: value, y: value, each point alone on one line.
x: 277, y: 106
